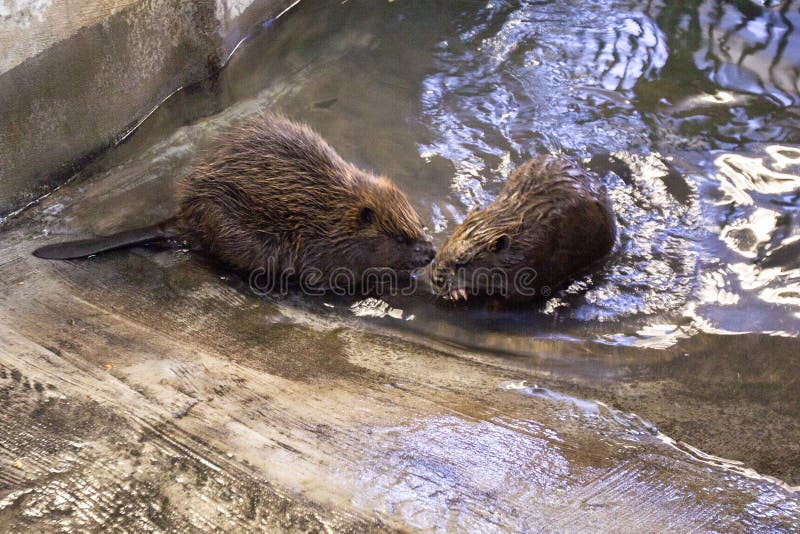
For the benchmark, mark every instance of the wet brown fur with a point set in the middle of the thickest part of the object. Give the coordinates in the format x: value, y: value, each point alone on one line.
x: 551, y: 216
x: 275, y: 189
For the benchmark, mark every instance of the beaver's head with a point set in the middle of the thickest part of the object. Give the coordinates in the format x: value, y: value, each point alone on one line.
x: 482, y: 255
x: 371, y: 227
x: 550, y: 220
x: 389, y: 231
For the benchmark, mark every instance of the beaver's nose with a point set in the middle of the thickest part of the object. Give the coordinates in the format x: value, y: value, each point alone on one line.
x: 425, y: 251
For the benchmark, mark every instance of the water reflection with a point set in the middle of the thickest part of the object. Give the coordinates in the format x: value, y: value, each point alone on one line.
x: 750, y: 48
x: 630, y: 49
x: 739, y: 174
x: 758, y: 229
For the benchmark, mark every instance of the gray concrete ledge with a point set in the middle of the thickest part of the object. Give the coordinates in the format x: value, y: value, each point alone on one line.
x: 76, y: 76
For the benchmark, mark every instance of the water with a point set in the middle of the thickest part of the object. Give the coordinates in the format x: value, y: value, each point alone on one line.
x: 708, y: 200
x: 698, y: 98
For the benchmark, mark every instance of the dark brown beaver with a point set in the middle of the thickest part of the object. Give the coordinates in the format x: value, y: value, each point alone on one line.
x: 276, y: 191
x: 274, y: 196
x: 551, y: 220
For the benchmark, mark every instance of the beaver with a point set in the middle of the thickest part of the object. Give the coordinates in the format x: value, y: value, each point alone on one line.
x: 550, y: 221
x: 275, y: 196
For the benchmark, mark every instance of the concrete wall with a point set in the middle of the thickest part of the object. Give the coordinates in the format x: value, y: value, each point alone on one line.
x: 76, y: 75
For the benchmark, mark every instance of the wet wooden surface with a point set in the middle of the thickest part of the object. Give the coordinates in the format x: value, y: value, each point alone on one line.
x: 141, y: 391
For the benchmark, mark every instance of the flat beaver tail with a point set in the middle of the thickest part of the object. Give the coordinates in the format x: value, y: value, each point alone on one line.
x: 96, y: 245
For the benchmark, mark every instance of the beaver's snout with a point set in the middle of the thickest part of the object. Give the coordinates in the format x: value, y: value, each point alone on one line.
x: 423, y: 253
x: 439, y: 276
x: 445, y: 282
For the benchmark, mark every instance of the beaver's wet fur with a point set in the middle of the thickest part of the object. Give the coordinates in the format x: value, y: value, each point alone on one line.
x: 275, y: 195
x: 550, y: 221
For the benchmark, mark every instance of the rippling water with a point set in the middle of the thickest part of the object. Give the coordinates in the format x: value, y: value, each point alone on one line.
x: 694, y: 98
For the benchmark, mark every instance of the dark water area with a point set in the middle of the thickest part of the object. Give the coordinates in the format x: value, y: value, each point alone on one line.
x: 698, y: 99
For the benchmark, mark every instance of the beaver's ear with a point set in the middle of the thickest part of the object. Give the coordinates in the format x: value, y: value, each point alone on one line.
x: 502, y: 243
x: 366, y: 216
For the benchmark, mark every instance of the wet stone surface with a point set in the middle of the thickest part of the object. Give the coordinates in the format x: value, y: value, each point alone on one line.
x: 151, y: 388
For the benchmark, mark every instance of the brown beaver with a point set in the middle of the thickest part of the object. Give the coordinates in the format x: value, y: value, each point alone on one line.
x: 274, y: 195
x: 551, y: 220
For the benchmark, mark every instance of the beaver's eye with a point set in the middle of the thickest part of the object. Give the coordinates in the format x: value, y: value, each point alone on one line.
x: 462, y: 262
x: 502, y: 243
x: 401, y: 238
x: 366, y: 215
